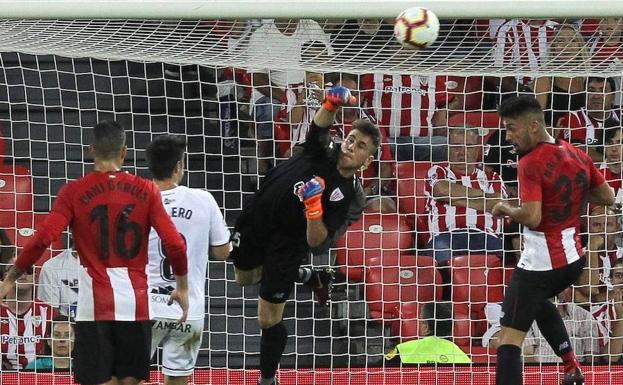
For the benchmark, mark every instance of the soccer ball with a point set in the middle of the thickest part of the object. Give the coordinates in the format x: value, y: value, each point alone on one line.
x: 416, y: 28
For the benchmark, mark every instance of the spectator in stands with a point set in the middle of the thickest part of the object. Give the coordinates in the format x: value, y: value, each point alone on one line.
x: 61, y: 347
x: 608, y: 47
x: 281, y: 40
x: 614, y: 350
x: 414, y: 109
x: 363, y: 39
x: 613, y: 154
x: 586, y: 126
x: 460, y: 196
x: 436, y: 346
x: 500, y: 157
x: 511, y: 48
x: 582, y: 328
x: 25, y: 322
x: 595, y: 290
x: 558, y: 95
x: 58, y: 282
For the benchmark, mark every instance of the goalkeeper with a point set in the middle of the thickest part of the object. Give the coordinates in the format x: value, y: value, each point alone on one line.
x: 302, y: 205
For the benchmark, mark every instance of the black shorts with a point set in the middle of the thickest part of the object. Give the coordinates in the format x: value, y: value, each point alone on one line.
x: 111, y: 348
x: 279, y: 257
x: 528, y: 289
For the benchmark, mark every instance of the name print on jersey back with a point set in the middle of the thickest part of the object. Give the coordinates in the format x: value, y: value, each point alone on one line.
x: 180, y: 212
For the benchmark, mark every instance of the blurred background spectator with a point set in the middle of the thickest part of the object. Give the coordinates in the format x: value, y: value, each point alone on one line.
x: 58, y: 282
x: 60, y: 347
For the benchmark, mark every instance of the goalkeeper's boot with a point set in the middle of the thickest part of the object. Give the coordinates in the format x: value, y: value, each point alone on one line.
x: 321, y: 283
x: 574, y: 378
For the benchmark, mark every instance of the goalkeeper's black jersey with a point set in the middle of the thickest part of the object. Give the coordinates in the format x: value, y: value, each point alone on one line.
x: 276, y: 210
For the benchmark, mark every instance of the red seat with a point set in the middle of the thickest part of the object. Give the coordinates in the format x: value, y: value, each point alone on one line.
x: 398, y: 280
x: 15, y: 194
x: 24, y: 229
x: 374, y: 235
x: 407, y: 327
x: 411, y: 184
x: 476, y: 281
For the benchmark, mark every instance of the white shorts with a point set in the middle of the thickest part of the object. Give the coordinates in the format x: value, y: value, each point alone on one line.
x: 180, y: 345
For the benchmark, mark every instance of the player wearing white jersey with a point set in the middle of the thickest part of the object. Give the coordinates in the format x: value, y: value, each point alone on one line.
x: 198, y: 218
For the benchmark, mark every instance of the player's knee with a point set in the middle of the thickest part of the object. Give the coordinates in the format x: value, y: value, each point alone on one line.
x: 268, y: 320
x: 247, y: 278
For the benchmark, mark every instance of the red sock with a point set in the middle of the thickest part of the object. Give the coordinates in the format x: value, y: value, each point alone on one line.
x: 570, y: 361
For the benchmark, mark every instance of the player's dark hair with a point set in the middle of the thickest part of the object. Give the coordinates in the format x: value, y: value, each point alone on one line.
x: 438, y: 317
x: 612, y: 128
x: 163, y: 153
x: 60, y: 319
x: 369, y: 129
x: 519, y: 106
x: 108, y: 139
x: 597, y: 79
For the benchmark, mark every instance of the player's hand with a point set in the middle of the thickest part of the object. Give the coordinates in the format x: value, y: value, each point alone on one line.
x: 499, y: 210
x: 310, y: 194
x: 181, y: 297
x: 336, y: 97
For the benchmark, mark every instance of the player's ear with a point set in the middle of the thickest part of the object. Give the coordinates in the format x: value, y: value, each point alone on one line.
x: 124, y: 152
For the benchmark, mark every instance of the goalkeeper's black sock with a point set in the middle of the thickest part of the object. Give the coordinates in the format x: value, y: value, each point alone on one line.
x: 305, y: 274
x: 508, y: 370
x: 272, y: 344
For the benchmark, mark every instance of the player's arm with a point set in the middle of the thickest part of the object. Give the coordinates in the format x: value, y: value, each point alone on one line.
x: 55, y: 223
x: 602, y: 195
x: 529, y: 213
x: 318, y: 135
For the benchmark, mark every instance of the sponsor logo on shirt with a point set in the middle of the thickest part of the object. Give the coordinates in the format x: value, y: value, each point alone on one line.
x: 173, y: 325
x: 404, y: 90
x: 336, y: 195
x: 19, y: 340
x: 168, y: 201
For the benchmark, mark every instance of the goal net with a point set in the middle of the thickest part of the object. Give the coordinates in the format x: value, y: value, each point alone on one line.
x: 242, y: 93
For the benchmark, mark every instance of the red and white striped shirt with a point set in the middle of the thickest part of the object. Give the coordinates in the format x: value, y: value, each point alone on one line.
x: 443, y: 217
x: 607, y: 259
x: 405, y: 104
x: 614, y: 180
x: 559, y: 176
x: 581, y: 128
x: 520, y: 42
x: 23, y: 336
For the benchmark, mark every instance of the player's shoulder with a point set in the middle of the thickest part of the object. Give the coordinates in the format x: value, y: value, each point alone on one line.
x: 203, y: 198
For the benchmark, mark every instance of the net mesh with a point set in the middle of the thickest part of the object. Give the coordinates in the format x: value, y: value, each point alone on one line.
x: 464, y: 46
x: 195, y: 79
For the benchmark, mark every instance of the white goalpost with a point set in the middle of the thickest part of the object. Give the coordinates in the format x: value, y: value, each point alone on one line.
x: 190, y: 68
